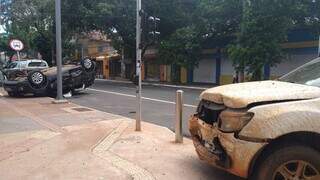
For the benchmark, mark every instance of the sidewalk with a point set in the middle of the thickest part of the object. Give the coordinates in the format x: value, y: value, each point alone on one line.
x: 39, y: 140
x: 159, y: 84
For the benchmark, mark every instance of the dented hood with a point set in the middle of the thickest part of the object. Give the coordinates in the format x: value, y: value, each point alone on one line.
x: 243, y: 94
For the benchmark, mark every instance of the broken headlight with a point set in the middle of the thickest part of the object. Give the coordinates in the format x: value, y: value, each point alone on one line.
x: 233, y: 120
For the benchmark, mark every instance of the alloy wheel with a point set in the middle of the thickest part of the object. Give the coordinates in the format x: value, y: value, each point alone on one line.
x: 37, y: 78
x: 87, y: 63
x: 296, y: 170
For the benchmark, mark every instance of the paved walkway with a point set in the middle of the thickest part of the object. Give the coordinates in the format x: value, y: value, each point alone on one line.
x: 39, y: 140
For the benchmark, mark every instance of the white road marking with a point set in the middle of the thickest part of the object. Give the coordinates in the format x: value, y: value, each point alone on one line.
x: 156, y: 84
x: 145, y: 98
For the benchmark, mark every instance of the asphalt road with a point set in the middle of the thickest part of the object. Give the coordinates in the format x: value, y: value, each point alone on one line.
x: 158, y: 105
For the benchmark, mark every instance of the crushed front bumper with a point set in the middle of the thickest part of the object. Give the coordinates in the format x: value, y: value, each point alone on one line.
x: 222, y: 150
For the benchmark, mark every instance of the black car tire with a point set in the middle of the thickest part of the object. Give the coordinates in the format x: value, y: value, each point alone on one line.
x: 284, y: 162
x: 37, y: 80
x: 88, y: 65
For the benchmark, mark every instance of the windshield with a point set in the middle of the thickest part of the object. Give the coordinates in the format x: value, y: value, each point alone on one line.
x: 308, y: 74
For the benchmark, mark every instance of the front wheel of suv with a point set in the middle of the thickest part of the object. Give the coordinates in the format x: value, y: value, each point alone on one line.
x: 296, y: 162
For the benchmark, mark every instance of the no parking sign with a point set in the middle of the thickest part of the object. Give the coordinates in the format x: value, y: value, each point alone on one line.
x: 16, y: 45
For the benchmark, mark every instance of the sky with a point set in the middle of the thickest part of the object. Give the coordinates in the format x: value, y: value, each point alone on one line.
x: 1, y: 29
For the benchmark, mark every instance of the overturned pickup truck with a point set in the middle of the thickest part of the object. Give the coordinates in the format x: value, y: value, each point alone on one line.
x: 267, y: 130
x: 44, y: 82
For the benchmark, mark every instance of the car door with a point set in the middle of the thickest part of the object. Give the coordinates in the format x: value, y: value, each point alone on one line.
x: 11, y: 69
x: 2, y: 78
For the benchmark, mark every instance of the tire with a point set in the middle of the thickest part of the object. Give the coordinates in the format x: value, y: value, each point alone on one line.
x: 88, y: 65
x: 286, y: 160
x: 37, y: 80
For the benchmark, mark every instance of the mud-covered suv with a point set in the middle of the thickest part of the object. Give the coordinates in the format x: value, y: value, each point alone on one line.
x: 23, y: 67
x: 268, y: 130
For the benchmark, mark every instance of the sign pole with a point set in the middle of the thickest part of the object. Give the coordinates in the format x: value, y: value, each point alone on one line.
x: 18, y: 54
x: 138, y: 66
x: 16, y: 45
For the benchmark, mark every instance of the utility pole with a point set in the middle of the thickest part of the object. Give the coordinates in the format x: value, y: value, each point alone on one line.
x: 319, y: 47
x: 138, y: 66
x: 59, y: 50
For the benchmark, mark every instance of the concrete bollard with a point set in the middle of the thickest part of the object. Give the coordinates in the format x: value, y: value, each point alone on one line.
x: 179, y: 110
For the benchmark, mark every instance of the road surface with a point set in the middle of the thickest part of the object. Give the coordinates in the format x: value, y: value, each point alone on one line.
x: 158, y: 105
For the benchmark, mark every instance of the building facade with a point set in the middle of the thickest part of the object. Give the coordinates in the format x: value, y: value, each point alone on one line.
x: 215, y: 67
x: 97, y: 46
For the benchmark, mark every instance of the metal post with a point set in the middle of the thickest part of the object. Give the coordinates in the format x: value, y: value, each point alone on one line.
x: 123, y: 65
x: 179, y: 107
x: 138, y: 66
x: 59, y: 49
x: 319, y: 47
x: 82, y: 52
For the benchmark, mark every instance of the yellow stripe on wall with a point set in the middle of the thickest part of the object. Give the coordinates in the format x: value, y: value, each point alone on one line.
x: 183, y: 75
x: 226, y: 79
x: 305, y: 44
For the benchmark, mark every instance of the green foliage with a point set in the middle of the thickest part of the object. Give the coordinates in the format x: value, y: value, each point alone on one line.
x: 4, y: 45
x: 183, y: 48
x: 187, y: 26
x: 32, y: 21
x: 263, y: 28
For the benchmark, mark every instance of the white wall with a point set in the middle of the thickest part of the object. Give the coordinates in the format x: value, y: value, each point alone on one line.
x: 226, y: 67
x: 205, y: 72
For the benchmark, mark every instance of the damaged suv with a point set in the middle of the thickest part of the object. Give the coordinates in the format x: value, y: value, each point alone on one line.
x: 268, y: 130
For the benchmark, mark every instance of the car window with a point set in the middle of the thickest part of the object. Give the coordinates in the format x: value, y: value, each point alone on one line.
x: 22, y: 64
x: 37, y: 64
x: 12, y: 65
x: 2, y: 77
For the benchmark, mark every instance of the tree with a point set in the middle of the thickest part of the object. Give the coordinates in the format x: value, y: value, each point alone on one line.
x: 263, y: 28
x: 33, y: 21
x: 181, y: 39
x: 183, y: 48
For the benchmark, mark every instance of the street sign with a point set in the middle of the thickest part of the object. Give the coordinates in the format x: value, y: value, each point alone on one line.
x: 16, y: 45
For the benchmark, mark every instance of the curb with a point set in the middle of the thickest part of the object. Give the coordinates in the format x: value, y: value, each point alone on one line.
x: 155, y: 84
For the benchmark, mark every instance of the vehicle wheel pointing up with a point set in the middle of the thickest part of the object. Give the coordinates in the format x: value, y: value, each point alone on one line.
x: 88, y: 64
x: 37, y: 79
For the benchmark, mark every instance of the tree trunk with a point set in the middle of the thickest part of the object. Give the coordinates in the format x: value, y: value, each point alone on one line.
x: 257, y: 75
x: 241, y: 76
x: 52, y: 57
